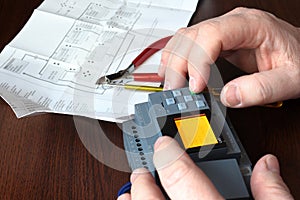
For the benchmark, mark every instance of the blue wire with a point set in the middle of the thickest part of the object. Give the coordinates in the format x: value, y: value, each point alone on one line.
x: 124, y: 189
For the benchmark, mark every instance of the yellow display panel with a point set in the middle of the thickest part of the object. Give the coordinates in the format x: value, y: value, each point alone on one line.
x: 195, y: 131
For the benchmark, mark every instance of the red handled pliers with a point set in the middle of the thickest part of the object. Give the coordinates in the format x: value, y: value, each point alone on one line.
x: 139, y: 60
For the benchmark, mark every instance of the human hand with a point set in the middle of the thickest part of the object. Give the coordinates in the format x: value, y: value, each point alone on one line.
x: 182, y: 179
x: 253, y: 40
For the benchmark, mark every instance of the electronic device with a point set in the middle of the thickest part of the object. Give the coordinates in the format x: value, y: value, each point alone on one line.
x: 199, y: 126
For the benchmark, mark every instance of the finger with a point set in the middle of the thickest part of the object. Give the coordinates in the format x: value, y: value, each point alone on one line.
x: 198, y: 72
x: 179, y: 176
x: 125, y: 196
x: 260, y: 88
x: 174, y: 59
x: 266, y: 182
x: 168, y: 50
x: 218, y: 34
x: 166, y: 54
x: 144, y: 186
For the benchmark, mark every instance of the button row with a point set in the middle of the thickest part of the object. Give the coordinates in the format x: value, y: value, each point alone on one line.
x: 186, y: 98
x: 183, y: 106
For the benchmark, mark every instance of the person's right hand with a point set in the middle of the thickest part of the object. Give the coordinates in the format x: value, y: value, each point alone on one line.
x: 255, y: 41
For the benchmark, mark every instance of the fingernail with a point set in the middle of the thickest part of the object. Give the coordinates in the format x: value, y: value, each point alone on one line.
x: 137, y: 172
x: 163, y: 142
x: 192, y: 84
x: 166, y: 151
x: 161, y: 69
x: 272, y: 164
x: 122, y: 197
x: 167, y: 85
x: 232, y: 95
x: 158, y: 142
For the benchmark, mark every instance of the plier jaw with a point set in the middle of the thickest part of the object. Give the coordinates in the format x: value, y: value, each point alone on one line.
x: 107, y: 79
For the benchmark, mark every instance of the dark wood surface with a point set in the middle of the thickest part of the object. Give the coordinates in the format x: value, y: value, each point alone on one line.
x: 43, y: 157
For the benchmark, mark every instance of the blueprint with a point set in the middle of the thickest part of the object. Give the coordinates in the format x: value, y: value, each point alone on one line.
x: 52, y: 65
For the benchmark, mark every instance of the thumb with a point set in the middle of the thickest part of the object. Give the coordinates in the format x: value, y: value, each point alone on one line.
x: 179, y: 175
x: 260, y: 88
x: 266, y: 182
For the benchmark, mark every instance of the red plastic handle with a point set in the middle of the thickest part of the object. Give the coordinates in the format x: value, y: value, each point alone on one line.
x: 150, y: 50
x: 147, y: 77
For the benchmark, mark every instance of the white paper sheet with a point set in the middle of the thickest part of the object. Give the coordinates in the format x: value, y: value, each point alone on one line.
x: 53, y: 63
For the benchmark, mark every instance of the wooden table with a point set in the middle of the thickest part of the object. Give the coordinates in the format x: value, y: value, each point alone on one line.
x: 43, y: 157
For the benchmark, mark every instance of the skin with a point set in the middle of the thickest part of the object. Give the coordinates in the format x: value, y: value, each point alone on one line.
x: 182, y: 179
x: 255, y: 41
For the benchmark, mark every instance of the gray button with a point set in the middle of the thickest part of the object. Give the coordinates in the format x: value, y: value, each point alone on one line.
x: 188, y: 98
x: 182, y: 106
x: 176, y: 93
x: 200, y: 103
x: 170, y: 101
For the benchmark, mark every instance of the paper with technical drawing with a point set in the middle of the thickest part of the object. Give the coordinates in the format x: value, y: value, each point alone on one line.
x: 53, y: 63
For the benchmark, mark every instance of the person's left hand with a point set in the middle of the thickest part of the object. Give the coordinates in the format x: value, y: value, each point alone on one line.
x: 182, y: 179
